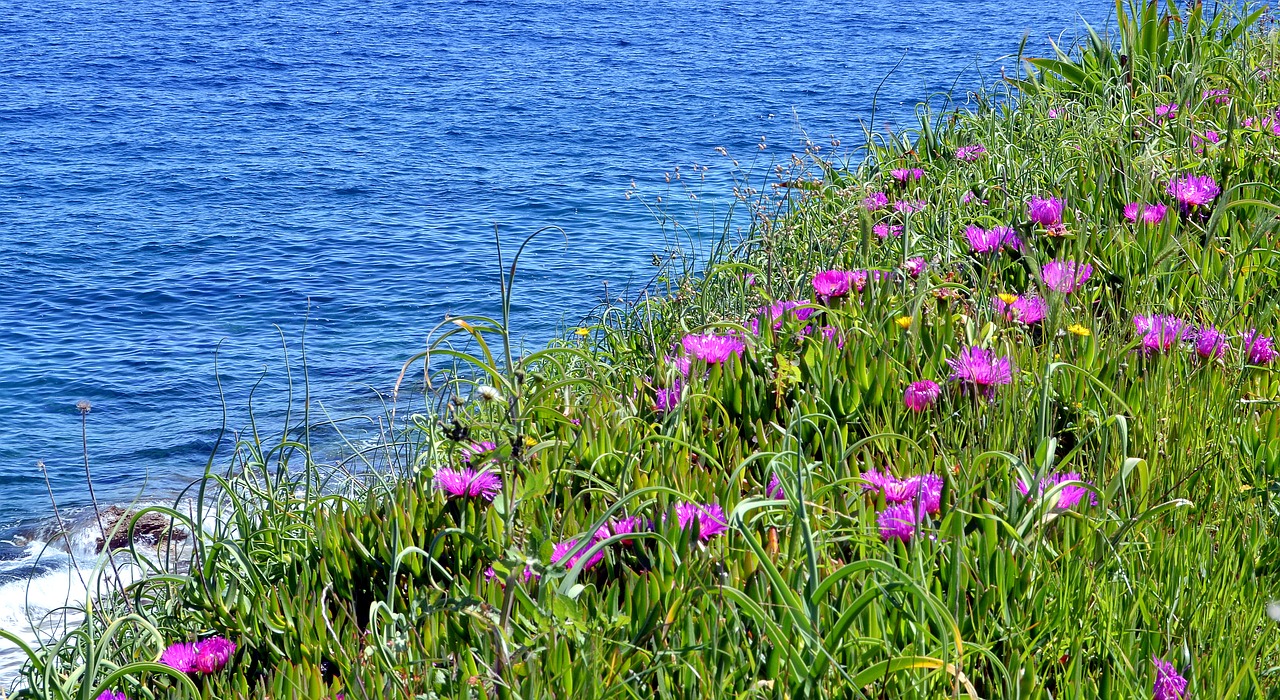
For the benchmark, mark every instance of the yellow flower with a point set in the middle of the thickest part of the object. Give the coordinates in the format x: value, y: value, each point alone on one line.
x: 903, y: 322
x: 1078, y: 329
x: 1008, y: 298
x: 581, y: 332
x: 529, y: 441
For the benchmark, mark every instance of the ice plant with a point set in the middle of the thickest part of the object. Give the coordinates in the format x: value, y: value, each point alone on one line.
x: 969, y: 154
x: 1211, y: 343
x: 887, y: 230
x: 1193, y: 190
x: 627, y: 526
x: 712, y: 348
x: 774, y: 489
x: 560, y: 554
x: 1065, y: 276
x: 1149, y: 213
x: 830, y: 284
x: 180, y: 656
x: 468, y: 483
x: 989, y: 241
x: 213, y: 653
x: 915, y: 267
x: 476, y: 449
x: 1259, y: 349
x: 1197, y: 142
x: 1025, y: 310
x: 875, y: 201
x: 1069, y: 496
x: 666, y: 400
x: 969, y: 198
x: 898, y: 522
x: 1159, y: 332
x: 1046, y: 212
x: 981, y: 371
x: 926, y: 490
x: 710, y: 518
x: 904, y: 175
x: 1169, y: 111
x: 1169, y: 685
x: 1218, y: 97
x: 112, y: 695
x: 779, y: 310
x: 909, y: 206
x: 920, y: 395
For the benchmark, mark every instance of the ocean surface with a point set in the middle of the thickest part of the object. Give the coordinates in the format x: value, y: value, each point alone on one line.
x: 185, y: 180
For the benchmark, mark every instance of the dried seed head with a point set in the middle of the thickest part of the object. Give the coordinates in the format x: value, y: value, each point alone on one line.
x: 83, y: 406
x: 489, y: 393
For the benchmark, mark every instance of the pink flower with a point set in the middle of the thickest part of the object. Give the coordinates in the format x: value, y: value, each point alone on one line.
x: 1159, y: 332
x: 1197, y: 143
x: 886, y: 230
x: 898, y: 522
x: 875, y: 201
x: 1024, y: 310
x: 1046, y: 212
x: 1211, y: 343
x: 1169, y: 684
x: 477, y: 449
x: 1193, y: 190
x: 915, y: 267
x: 213, y: 653
x: 1219, y: 97
x: 666, y: 400
x: 627, y: 526
x: 468, y: 483
x: 1069, y: 496
x: 909, y: 206
x: 981, y: 370
x: 1259, y: 349
x: 1150, y: 213
x: 774, y: 489
x: 560, y: 554
x: 920, y: 395
x: 904, y: 175
x: 1065, y: 276
x: 1169, y: 111
x: 710, y: 518
x: 969, y: 197
x: 970, y: 153
x: 712, y: 348
x: 830, y: 333
x: 830, y: 284
x: 180, y: 656
x: 989, y: 241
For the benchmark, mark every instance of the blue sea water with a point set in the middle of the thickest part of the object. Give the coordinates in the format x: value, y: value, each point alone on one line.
x: 184, y: 177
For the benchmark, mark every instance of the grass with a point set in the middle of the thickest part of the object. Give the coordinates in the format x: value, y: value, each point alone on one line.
x: 375, y: 584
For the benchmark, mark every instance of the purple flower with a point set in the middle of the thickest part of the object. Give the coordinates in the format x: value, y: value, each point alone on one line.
x: 665, y: 400
x: 1150, y: 213
x: 989, y: 241
x: 904, y: 175
x: 1197, y: 143
x: 711, y: 519
x: 713, y: 348
x: 778, y: 311
x: 969, y: 198
x: 970, y: 153
x: 560, y: 554
x: 1260, y: 349
x: 1211, y: 343
x: 1046, y: 212
x: 1024, y: 310
x: 909, y: 206
x: 875, y: 201
x: 1169, y: 684
x: 1069, y: 496
x: 1220, y: 97
x: 476, y: 449
x: 915, y: 267
x: 830, y: 284
x: 875, y: 481
x: 213, y: 653
x: 1065, y: 275
x: 627, y: 526
x: 981, y: 370
x: 830, y: 333
x: 926, y: 489
x: 180, y: 656
x: 886, y: 230
x: 1055, y: 113
x: 898, y: 522
x: 112, y: 695
x: 1159, y: 332
x: 774, y: 489
x: 1193, y: 190
x: 468, y: 483
x: 920, y: 395
x: 1169, y: 111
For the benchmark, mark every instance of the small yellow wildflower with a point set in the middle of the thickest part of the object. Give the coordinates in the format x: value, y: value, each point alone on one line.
x: 1008, y: 298
x: 1078, y: 329
x: 903, y: 322
x: 529, y: 441
x: 581, y: 332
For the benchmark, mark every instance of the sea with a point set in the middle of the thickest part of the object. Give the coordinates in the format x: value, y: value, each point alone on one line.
x: 195, y: 194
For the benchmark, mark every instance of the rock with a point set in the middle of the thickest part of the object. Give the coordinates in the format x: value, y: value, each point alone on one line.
x: 151, y: 529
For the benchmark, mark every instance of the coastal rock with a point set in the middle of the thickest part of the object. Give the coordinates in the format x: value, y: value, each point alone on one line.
x: 151, y: 529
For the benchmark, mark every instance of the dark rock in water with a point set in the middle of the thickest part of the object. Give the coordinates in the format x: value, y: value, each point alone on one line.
x: 151, y: 529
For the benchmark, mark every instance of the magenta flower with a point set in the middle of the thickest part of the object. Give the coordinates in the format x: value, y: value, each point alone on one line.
x: 909, y: 206
x: 875, y: 481
x: 904, y: 175
x: 920, y: 395
x: 1024, y: 310
x: 830, y: 284
x: 476, y: 449
x: 627, y: 526
x: 926, y: 489
x: 915, y: 267
x: 970, y: 153
x: 180, y: 656
x: 213, y: 653
x: 1159, y: 332
x: 875, y: 201
x: 1065, y: 276
x: 1197, y: 143
x: 779, y: 310
x: 1169, y: 111
x: 989, y: 241
x: 666, y: 400
x: 710, y: 517
x: 1055, y: 113
x: 969, y: 198
x: 1260, y: 349
x: 1194, y: 190
x: 468, y: 483
x: 830, y: 333
x: 712, y: 348
x: 1046, y: 212
x: 560, y: 554
x: 112, y: 695
x: 1211, y: 343
x: 774, y: 489
x: 1150, y: 213
x: 1169, y: 684
x: 1069, y: 496
x: 1218, y: 97
x: 887, y: 230
x: 981, y: 371
x: 898, y: 522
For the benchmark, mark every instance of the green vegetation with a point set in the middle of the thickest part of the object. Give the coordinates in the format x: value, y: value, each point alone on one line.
x: 1157, y: 440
